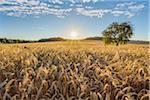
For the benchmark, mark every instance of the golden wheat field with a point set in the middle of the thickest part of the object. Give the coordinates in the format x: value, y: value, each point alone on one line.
x: 74, y: 70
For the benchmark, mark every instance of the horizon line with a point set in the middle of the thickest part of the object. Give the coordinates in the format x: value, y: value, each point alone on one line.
x: 82, y: 38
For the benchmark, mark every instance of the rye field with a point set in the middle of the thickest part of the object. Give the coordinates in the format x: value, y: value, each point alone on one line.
x: 74, y: 70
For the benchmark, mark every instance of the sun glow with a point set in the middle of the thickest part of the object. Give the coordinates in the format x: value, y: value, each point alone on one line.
x: 73, y: 35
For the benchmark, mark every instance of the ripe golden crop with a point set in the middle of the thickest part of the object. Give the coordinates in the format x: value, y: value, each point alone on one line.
x: 76, y: 70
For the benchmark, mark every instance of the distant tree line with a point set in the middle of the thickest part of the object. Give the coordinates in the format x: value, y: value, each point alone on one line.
x: 9, y: 41
x: 5, y: 40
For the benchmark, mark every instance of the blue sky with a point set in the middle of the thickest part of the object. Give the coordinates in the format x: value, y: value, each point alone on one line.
x: 35, y: 19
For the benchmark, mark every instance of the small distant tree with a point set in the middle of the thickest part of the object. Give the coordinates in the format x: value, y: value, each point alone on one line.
x: 4, y: 40
x: 117, y: 33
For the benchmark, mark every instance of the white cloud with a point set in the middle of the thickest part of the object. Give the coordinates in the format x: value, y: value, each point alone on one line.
x: 85, y: 1
x: 43, y: 4
x: 136, y: 7
x: 36, y: 11
x: 88, y: 7
x: 62, y: 8
x: 129, y: 14
x: 117, y: 13
x: 8, y: 2
x: 2, y: 1
x: 33, y: 2
x: 122, y: 5
x: 76, y: 5
x: 92, y: 13
x: 130, y: 6
x: 9, y: 8
x: 129, y: 9
x: 123, y: 13
x: 21, y: 1
x: 56, y: 1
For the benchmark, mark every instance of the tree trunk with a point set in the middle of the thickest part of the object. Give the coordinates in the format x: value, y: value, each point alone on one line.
x: 117, y: 43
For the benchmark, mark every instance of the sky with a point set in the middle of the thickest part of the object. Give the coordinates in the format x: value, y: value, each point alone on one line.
x: 36, y: 19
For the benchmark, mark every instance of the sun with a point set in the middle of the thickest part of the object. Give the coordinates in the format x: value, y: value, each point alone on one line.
x: 73, y: 35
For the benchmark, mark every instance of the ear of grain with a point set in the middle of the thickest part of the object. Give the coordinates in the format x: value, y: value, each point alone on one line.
x: 85, y: 70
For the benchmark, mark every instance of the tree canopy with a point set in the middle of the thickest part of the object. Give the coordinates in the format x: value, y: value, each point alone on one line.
x: 118, y: 33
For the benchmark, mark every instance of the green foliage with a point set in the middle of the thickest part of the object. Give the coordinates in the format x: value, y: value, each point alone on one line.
x: 5, y: 40
x: 118, y: 33
x: 107, y: 40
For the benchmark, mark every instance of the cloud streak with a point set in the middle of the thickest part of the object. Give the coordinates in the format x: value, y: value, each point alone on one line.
x: 62, y: 8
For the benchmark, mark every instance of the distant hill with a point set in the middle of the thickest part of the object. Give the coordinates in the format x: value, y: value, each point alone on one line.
x: 93, y: 38
x: 130, y: 42
x: 51, y: 39
x: 138, y: 42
